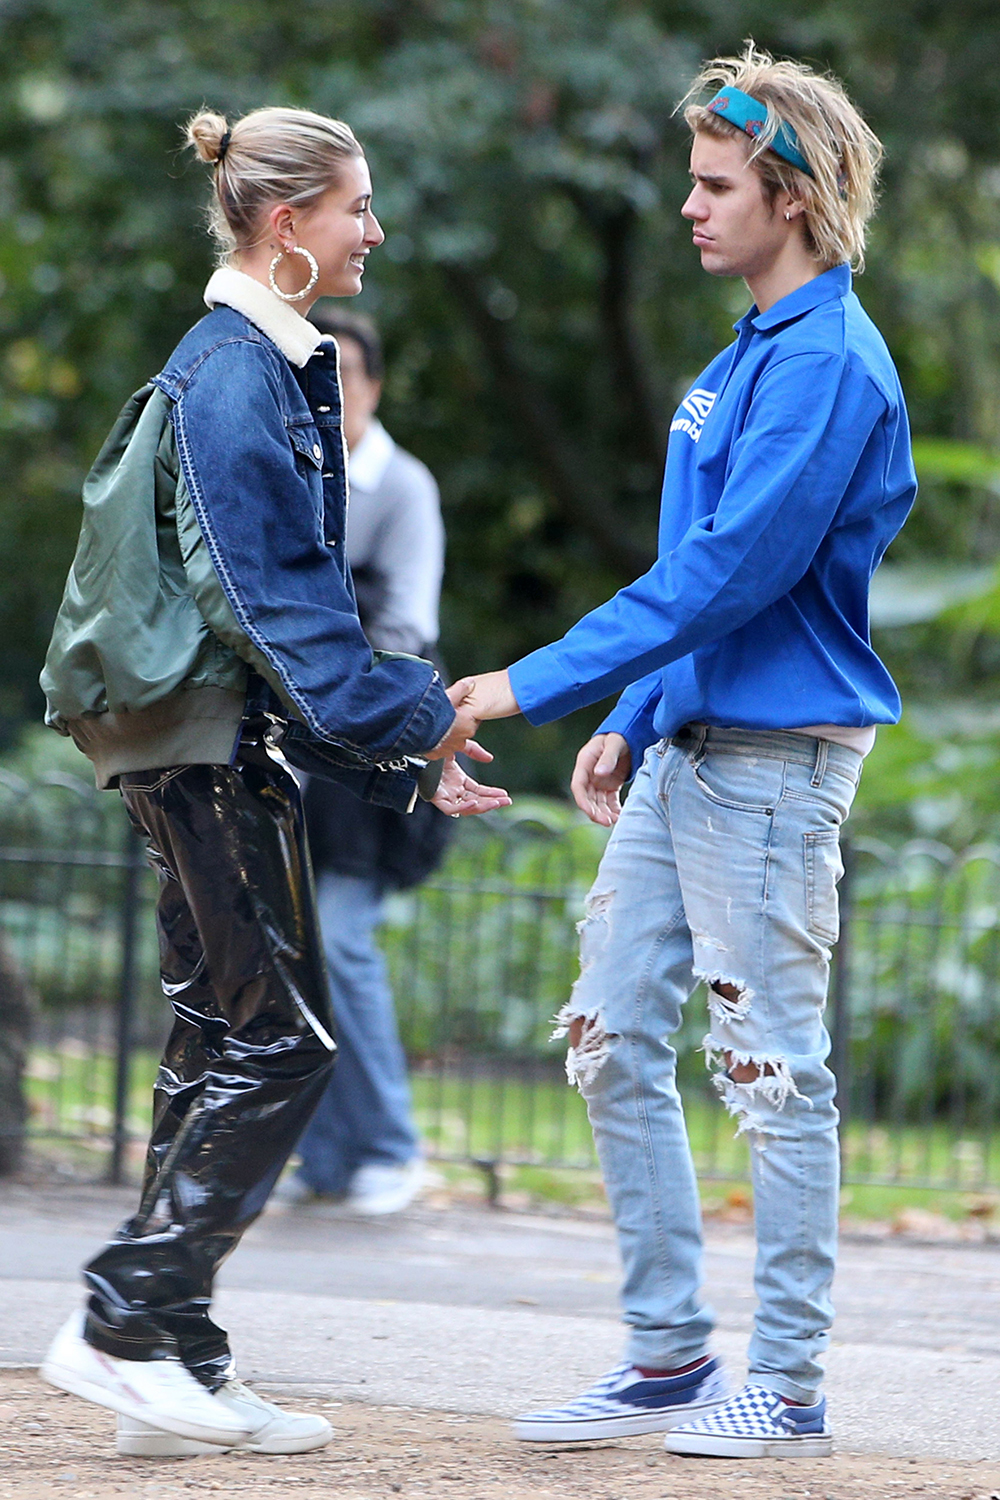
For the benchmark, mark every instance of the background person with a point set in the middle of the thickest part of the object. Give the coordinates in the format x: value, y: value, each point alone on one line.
x: 751, y: 696
x: 361, y: 1143
x: 209, y: 596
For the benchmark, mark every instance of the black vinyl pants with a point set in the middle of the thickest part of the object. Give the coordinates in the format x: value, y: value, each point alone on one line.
x: 247, y: 1060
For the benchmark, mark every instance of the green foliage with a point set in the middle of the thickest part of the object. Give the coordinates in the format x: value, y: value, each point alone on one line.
x: 954, y: 462
x: 484, y: 955
x: 925, y: 1026
x: 540, y: 299
x: 934, y: 775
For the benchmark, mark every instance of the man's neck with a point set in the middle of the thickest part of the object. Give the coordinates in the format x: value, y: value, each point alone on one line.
x: 785, y: 274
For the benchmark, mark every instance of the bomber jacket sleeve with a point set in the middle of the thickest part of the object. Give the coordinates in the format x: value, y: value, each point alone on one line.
x: 295, y: 614
x: 789, y: 470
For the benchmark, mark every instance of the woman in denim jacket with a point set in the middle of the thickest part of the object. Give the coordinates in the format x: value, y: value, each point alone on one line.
x: 209, y: 613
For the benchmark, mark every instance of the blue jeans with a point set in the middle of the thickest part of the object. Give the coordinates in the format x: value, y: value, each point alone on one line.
x: 364, y: 1113
x: 723, y: 867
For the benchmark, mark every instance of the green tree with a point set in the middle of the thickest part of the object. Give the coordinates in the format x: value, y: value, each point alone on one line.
x: 542, y: 305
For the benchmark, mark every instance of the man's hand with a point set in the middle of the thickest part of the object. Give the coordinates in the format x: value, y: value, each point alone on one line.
x: 602, y: 768
x: 490, y: 696
x: 458, y: 794
x: 474, y: 699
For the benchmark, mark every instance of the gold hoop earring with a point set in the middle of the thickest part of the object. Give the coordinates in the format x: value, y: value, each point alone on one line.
x: 313, y: 274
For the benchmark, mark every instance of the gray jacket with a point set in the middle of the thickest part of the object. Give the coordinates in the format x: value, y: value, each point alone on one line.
x: 395, y: 543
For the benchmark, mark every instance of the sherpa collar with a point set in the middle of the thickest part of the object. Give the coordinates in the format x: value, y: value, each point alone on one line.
x: 295, y: 336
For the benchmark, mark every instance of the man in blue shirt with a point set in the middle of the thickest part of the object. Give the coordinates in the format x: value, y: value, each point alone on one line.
x: 751, y: 695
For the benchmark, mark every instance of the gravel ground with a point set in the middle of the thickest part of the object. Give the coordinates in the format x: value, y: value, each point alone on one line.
x: 55, y: 1447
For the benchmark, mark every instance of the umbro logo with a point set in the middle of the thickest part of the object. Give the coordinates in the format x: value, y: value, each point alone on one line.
x: 693, y: 410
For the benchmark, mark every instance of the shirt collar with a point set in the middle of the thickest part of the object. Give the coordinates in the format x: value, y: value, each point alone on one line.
x: 295, y: 336
x: 371, y: 457
x: 823, y: 288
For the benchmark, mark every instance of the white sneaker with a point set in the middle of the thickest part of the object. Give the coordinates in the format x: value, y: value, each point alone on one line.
x: 161, y: 1392
x: 385, y: 1189
x: 272, y: 1430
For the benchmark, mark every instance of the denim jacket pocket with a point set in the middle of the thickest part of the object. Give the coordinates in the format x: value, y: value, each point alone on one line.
x: 823, y: 869
x: 305, y: 440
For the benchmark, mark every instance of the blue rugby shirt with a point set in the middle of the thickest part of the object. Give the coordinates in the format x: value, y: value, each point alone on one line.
x: 788, y: 474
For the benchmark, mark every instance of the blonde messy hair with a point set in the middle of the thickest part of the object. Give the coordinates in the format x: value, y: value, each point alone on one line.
x: 269, y: 156
x: 843, y: 152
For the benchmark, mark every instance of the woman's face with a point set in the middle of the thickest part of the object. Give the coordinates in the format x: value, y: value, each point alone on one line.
x: 339, y: 229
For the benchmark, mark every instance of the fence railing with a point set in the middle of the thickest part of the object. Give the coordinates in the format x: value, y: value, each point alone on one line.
x: 482, y: 956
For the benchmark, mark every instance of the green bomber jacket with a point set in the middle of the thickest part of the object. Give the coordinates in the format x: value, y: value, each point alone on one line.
x: 147, y: 664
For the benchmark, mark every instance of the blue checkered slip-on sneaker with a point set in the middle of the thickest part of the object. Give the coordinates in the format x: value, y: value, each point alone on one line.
x: 625, y: 1402
x: 756, y: 1424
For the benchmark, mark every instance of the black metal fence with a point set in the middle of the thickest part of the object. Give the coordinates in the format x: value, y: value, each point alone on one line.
x: 482, y: 957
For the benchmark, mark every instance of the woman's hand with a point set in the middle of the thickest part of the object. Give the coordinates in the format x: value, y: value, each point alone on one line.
x: 474, y: 699
x: 602, y: 768
x: 458, y: 794
x: 463, y: 726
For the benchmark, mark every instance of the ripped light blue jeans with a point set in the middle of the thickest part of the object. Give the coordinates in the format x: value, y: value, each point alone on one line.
x: 722, y: 868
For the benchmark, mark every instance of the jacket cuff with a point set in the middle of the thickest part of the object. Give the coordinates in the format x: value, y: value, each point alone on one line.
x: 429, y: 722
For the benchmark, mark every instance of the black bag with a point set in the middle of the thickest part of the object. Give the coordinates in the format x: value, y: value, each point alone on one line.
x: 359, y: 838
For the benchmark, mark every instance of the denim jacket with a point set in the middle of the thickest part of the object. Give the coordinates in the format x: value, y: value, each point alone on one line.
x: 225, y: 553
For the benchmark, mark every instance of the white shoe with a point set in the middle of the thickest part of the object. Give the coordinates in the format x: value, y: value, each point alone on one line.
x: 161, y: 1392
x: 380, y: 1188
x: 272, y: 1430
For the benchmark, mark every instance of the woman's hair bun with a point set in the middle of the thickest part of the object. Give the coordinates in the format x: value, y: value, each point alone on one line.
x: 204, y: 131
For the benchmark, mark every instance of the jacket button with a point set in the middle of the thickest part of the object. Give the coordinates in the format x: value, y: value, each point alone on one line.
x: 317, y: 451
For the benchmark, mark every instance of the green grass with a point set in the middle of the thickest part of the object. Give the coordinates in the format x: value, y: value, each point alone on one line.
x: 870, y: 1201
x: 71, y: 1089
x: 538, y: 1133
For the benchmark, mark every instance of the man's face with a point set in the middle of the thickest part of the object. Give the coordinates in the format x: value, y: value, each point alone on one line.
x: 361, y: 393
x: 737, y: 231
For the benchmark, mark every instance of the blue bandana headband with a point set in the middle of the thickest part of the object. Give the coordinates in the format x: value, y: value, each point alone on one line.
x: 749, y: 115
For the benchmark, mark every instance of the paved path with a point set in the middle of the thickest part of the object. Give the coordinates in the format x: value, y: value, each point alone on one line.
x: 478, y: 1311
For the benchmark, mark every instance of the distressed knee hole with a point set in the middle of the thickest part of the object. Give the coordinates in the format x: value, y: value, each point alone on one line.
x: 729, y: 998
x: 599, y: 903
x: 741, y: 1072
x: 588, y: 1044
x: 752, y: 1086
x: 597, y: 908
x: 594, y: 930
